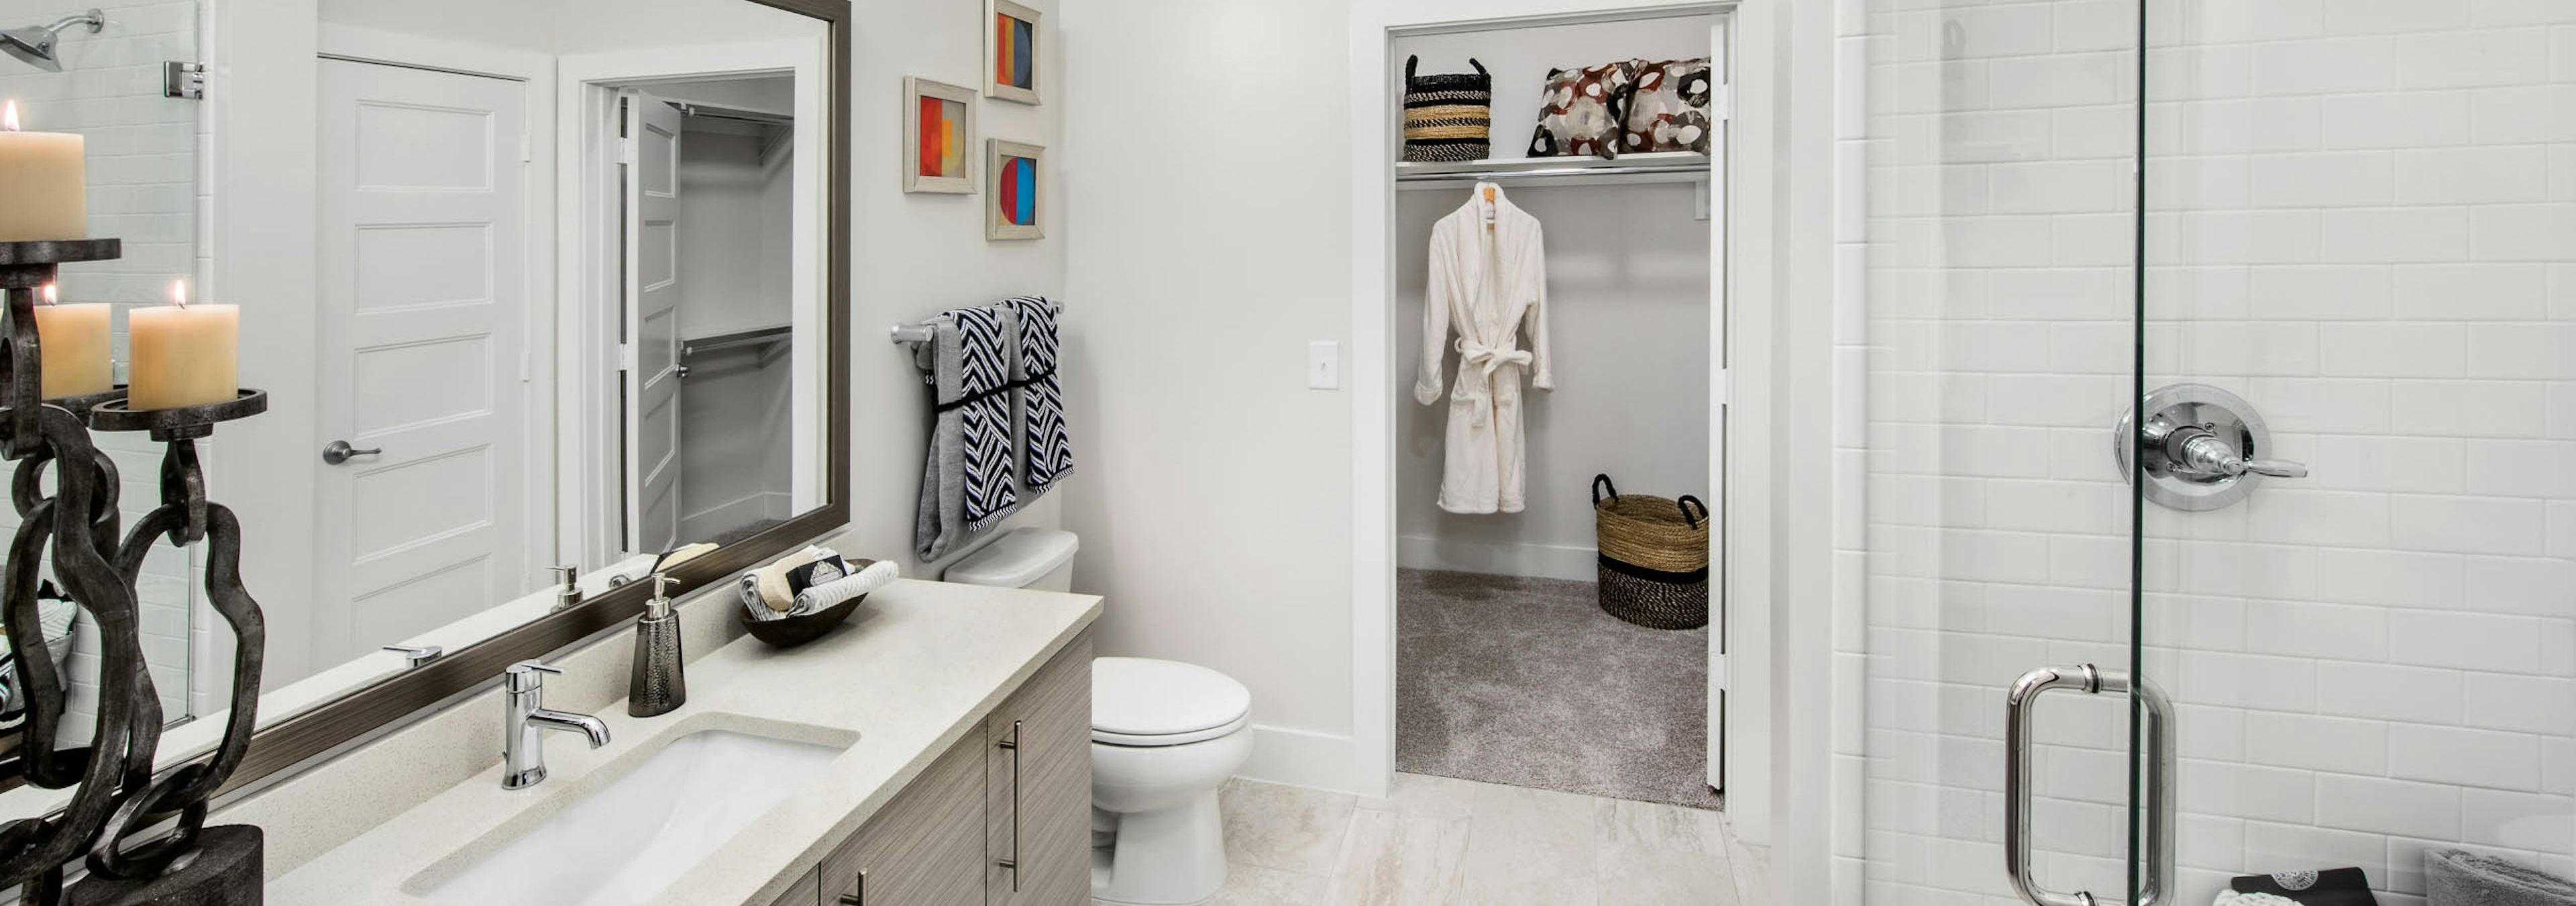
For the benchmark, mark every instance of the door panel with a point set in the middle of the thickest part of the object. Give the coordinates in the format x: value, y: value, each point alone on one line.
x: 422, y: 233
x: 653, y: 323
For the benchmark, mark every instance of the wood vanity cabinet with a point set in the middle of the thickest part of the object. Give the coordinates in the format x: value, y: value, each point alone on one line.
x: 1012, y: 799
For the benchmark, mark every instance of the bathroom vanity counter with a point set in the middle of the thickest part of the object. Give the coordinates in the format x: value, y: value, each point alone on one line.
x: 916, y: 673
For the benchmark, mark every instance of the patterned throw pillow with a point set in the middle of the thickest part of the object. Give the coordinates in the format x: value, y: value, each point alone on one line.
x: 1581, y: 113
x: 1668, y: 108
x: 1448, y: 118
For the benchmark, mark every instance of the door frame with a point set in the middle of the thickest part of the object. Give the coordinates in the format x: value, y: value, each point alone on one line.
x: 589, y: 194
x: 1741, y: 640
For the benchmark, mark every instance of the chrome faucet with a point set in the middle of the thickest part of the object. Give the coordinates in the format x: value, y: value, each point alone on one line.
x: 523, y: 750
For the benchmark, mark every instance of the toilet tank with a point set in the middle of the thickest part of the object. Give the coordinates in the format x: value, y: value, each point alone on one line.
x: 1033, y: 558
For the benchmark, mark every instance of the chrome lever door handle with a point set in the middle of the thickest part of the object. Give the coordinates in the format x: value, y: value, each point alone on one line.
x: 340, y: 451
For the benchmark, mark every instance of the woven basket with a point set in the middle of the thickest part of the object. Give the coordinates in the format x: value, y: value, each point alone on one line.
x: 1448, y: 118
x: 1654, y: 557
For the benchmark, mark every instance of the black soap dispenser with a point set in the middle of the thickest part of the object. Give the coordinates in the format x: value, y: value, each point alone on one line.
x: 660, y: 682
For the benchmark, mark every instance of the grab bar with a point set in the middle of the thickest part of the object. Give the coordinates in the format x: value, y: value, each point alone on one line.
x: 2157, y: 886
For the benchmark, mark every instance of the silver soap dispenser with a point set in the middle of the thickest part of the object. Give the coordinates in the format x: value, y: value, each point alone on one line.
x: 660, y: 682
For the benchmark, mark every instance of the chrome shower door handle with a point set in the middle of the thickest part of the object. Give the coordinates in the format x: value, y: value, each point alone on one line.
x: 340, y: 451
x: 2157, y: 884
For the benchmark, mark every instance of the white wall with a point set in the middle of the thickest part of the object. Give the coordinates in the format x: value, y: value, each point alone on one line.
x: 2359, y: 222
x: 1628, y: 319
x: 1206, y: 255
x: 914, y: 256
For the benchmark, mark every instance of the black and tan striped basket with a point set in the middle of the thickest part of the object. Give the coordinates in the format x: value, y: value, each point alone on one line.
x: 1448, y: 119
x: 1654, y: 557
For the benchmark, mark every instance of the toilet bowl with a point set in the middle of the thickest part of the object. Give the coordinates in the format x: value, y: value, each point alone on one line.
x: 1164, y: 736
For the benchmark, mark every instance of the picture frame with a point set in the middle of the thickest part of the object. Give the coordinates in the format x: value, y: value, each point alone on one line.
x: 1016, y: 206
x: 1014, y: 47
x: 938, y: 137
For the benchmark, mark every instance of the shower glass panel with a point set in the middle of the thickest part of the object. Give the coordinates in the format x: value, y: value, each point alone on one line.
x: 2221, y: 472
x: 142, y: 171
x: 2361, y: 224
x: 2000, y: 318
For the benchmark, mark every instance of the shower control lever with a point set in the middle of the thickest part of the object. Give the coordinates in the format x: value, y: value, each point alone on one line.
x: 2195, y: 452
x: 2196, y: 447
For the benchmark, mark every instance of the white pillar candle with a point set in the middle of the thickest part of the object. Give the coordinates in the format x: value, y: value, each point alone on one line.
x: 182, y: 355
x: 42, y: 193
x: 73, y: 343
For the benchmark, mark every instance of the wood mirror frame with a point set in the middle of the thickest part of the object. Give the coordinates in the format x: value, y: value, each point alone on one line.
x: 295, y: 740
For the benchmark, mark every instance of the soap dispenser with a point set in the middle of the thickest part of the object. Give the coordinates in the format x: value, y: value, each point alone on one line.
x: 659, y: 683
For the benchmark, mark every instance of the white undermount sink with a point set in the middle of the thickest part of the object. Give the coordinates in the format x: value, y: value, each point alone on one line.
x: 627, y: 841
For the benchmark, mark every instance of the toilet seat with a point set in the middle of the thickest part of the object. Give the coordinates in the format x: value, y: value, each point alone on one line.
x: 1143, y: 702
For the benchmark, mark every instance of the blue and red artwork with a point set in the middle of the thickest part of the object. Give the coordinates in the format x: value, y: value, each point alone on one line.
x: 1016, y: 191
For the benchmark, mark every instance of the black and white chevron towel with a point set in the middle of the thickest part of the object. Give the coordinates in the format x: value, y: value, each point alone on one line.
x: 985, y: 374
x: 1047, y: 445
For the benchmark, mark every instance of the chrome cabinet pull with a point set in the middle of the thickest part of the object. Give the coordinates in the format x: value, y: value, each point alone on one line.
x: 340, y: 451
x: 2158, y: 833
x: 857, y: 897
x: 1012, y: 864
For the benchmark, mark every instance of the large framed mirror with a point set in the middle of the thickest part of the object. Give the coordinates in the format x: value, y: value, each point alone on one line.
x: 547, y: 295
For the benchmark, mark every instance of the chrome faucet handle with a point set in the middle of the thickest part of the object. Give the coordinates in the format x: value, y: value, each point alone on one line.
x: 2276, y: 468
x: 417, y: 654
x: 523, y: 676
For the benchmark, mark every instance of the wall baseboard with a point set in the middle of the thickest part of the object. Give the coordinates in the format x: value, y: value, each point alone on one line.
x: 1540, y: 561
x: 1303, y: 758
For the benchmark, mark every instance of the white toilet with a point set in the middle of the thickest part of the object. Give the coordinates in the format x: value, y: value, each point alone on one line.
x: 1164, y: 736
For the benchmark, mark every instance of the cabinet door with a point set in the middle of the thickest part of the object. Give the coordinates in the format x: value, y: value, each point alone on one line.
x: 1039, y: 780
x: 803, y: 893
x: 926, y: 848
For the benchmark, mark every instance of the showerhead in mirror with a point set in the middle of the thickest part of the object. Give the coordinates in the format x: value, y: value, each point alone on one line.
x: 35, y: 43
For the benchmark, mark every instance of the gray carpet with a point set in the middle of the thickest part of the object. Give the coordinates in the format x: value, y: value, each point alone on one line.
x: 1526, y: 682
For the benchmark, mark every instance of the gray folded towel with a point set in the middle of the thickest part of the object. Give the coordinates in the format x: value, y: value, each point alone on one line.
x: 968, y: 481
x: 2457, y: 877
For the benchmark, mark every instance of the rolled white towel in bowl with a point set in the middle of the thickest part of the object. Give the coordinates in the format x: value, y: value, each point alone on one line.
x: 832, y: 594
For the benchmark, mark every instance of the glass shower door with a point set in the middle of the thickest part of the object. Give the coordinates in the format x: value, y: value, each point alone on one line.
x: 2360, y: 440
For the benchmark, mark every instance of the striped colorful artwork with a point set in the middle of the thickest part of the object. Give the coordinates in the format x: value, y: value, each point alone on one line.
x: 1016, y: 52
x: 943, y: 137
x: 1016, y: 190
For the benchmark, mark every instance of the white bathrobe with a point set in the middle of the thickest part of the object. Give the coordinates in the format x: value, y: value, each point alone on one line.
x: 1488, y: 279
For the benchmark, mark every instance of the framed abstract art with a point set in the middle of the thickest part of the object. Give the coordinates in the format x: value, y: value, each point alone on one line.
x: 938, y: 137
x: 1012, y: 42
x: 1015, y: 208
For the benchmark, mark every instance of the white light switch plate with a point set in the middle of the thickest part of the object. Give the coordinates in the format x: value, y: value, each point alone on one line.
x: 1324, y: 365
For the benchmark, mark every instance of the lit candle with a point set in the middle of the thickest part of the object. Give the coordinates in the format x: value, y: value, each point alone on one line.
x: 41, y: 187
x: 73, y: 339
x: 182, y: 354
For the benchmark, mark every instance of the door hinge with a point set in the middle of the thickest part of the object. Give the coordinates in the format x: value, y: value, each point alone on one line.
x: 1721, y: 103
x: 527, y: 149
x: 1725, y: 387
x: 626, y: 357
x: 183, y: 80
x: 630, y: 152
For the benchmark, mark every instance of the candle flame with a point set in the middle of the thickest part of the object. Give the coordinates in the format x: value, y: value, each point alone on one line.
x: 179, y: 293
x: 50, y: 295
x: 9, y: 117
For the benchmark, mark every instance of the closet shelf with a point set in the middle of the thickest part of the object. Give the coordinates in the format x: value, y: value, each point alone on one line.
x: 1664, y: 166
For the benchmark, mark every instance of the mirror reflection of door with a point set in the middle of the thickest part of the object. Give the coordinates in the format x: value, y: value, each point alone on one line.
x: 422, y: 241
x: 652, y: 373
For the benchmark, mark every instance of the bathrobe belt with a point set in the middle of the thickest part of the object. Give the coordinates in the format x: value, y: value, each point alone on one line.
x: 1485, y: 360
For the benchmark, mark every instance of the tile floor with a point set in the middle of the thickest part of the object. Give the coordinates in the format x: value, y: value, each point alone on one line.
x: 1435, y: 840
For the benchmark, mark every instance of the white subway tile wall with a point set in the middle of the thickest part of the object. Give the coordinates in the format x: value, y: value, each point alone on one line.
x: 2361, y: 217
x: 142, y: 169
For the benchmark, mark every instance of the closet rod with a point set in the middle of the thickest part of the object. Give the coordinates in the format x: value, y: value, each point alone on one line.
x: 1691, y: 169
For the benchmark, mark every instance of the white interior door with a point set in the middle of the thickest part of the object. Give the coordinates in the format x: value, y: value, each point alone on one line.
x: 422, y: 238
x: 652, y: 376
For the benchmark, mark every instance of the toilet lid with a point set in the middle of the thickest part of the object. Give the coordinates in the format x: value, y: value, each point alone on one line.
x: 1141, y: 697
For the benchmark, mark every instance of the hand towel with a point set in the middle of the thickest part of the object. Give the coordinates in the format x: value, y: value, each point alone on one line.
x: 831, y: 594
x: 967, y: 475
x: 2457, y: 877
x: 772, y: 587
x: 1047, y: 446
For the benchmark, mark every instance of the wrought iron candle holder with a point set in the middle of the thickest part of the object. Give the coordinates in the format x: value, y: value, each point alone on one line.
x: 141, y: 838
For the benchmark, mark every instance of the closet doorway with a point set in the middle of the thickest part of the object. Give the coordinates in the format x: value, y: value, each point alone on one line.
x: 1506, y: 666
